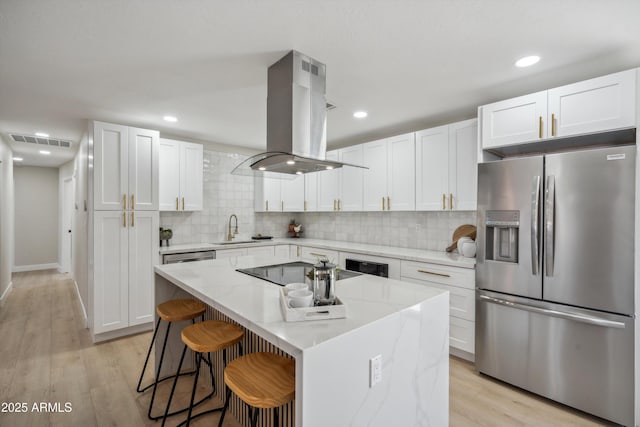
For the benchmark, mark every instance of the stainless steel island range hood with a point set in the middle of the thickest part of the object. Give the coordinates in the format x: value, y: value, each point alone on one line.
x: 296, y: 120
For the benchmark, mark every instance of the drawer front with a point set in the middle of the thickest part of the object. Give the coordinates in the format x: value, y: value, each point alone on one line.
x: 462, y: 334
x: 443, y: 274
x: 261, y: 250
x: 282, y: 251
x: 462, y: 302
x: 312, y: 255
x: 230, y: 253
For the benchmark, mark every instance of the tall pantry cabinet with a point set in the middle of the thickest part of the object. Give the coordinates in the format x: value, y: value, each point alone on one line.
x: 123, y: 225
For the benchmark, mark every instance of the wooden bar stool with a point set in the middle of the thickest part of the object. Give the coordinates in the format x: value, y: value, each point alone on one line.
x: 261, y: 380
x: 176, y: 310
x: 205, y: 337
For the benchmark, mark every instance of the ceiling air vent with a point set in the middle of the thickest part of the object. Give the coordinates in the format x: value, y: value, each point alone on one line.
x: 42, y: 141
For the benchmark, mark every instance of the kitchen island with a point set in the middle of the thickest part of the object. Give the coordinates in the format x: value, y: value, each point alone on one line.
x: 405, y: 323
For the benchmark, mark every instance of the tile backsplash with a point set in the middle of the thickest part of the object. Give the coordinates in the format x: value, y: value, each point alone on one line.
x: 226, y: 194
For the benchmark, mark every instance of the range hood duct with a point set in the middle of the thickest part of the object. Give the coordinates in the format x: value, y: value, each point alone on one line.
x: 296, y: 120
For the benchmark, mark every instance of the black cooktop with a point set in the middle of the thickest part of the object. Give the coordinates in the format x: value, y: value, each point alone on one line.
x: 290, y: 272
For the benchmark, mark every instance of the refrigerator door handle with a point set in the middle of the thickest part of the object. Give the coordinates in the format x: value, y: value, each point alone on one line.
x: 591, y: 320
x: 549, y: 213
x: 535, y: 219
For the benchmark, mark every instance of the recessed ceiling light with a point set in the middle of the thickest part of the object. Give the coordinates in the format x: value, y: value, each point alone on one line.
x: 360, y: 114
x: 527, y: 61
x: 291, y: 162
x: 45, y: 152
x: 42, y: 134
x: 18, y: 159
x: 171, y: 119
x: 299, y: 173
x: 329, y: 168
x: 262, y: 168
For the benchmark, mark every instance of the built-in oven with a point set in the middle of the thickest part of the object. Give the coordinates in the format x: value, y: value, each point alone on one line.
x: 367, y: 267
x: 188, y: 257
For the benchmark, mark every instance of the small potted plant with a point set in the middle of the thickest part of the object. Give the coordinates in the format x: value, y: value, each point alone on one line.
x: 165, y: 234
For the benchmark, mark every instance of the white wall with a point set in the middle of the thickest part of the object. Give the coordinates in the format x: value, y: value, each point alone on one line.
x: 36, y: 217
x: 6, y: 217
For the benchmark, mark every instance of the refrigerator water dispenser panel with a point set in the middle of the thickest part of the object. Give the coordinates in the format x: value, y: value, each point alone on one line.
x: 502, y: 229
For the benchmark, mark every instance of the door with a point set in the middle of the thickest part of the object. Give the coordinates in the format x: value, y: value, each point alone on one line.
x: 463, y: 165
x: 401, y: 173
x: 67, y: 221
x: 111, y: 175
x: 143, y: 169
x: 589, y: 229
x: 375, y: 178
x: 509, y: 207
x: 432, y: 165
x: 191, y: 179
x: 143, y: 248
x: 351, y: 193
x: 594, y: 105
x: 169, y: 175
x: 514, y: 120
x: 111, y: 279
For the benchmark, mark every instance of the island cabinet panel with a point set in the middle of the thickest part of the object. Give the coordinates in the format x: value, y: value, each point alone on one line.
x: 460, y: 282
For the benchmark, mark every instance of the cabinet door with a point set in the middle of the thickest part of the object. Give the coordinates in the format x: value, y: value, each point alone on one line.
x: 144, y: 146
x: 311, y: 192
x: 514, y: 120
x: 463, y: 165
x: 261, y: 251
x: 230, y: 253
x: 191, y: 176
x: 282, y: 251
x: 432, y: 165
x: 351, y: 180
x: 143, y: 250
x: 314, y: 255
x: 375, y: 178
x: 401, y: 173
x: 292, y: 194
x: 328, y: 186
x: 267, y: 194
x: 110, y: 154
x: 110, y: 271
x: 595, y: 105
x: 169, y: 175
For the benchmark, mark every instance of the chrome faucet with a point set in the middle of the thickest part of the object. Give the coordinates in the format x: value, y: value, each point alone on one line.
x: 230, y: 235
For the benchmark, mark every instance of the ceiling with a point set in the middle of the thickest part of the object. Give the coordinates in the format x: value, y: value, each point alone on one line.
x: 410, y: 64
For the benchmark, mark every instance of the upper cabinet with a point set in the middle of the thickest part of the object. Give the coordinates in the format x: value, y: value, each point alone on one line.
x: 591, y: 106
x: 351, y: 180
x: 181, y: 175
x: 292, y: 194
x: 329, y: 186
x: 446, y: 167
x: 389, y: 181
x: 125, y: 161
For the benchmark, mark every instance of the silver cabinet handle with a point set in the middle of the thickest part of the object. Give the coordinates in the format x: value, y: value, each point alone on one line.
x: 549, y: 212
x: 535, y: 218
x: 433, y: 273
x: 591, y: 320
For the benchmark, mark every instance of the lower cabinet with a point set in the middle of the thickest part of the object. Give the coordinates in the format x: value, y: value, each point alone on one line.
x: 314, y: 255
x: 125, y: 249
x: 460, y: 282
x: 236, y: 252
x: 282, y: 251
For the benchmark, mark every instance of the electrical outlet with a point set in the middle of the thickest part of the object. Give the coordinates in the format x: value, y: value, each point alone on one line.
x: 375, y: 370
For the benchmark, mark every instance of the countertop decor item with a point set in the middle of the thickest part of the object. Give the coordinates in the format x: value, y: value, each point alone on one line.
x: 261, y: 237
x: 466, y: 230
x: 294, y: 229
x: 165, y: 234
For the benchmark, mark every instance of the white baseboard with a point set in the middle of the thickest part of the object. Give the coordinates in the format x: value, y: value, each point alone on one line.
x: 84, y: 311
x: 131, y: 330
x: 6, y: 292
x: 33, y: 267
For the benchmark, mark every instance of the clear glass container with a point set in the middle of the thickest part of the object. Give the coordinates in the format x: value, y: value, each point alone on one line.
x: 324, y: 283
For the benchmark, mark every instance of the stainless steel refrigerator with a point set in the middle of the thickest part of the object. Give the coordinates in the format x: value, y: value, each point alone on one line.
x: 555, y: 277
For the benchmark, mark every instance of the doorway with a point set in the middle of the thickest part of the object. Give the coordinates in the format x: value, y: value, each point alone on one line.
x: 67, y: 226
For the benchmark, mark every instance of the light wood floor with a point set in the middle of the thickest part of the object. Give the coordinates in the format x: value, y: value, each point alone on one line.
x: 46, y: 355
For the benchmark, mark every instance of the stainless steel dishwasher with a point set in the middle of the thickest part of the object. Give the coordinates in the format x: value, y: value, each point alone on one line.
x: 188, y: 257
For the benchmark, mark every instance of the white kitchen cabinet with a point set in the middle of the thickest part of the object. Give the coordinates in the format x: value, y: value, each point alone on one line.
x: 351, y: 180
x: 311, y: 191
x: 460, y: 282
x: 125, y: 246
x: 446, y: 167
x: 295, y: 251
x: 230, y: 253
x: 181, y: 176
x: 292, y: 193
x: 329, y: 186
x: 313, y: 255
x: 261, y: 251
x: 596, y: 105
x: 282, y: 251
x: 392, y: 263
x: 389, y: 183
x: 267, y: 194
x: 125, y: 167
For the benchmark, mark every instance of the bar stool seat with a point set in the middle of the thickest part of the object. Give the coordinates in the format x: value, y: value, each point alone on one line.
x: 205, y: 337
x: 176, y: 310
x: 262, y: 380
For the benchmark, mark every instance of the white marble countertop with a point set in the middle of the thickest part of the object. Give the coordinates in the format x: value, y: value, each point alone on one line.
x: 419, y: 255
x: 254, y: 303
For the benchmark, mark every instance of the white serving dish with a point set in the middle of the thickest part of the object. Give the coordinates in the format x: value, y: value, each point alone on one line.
x: 301, y: 314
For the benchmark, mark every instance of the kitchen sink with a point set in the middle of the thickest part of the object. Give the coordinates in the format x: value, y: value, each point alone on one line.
x: 235, y: 242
